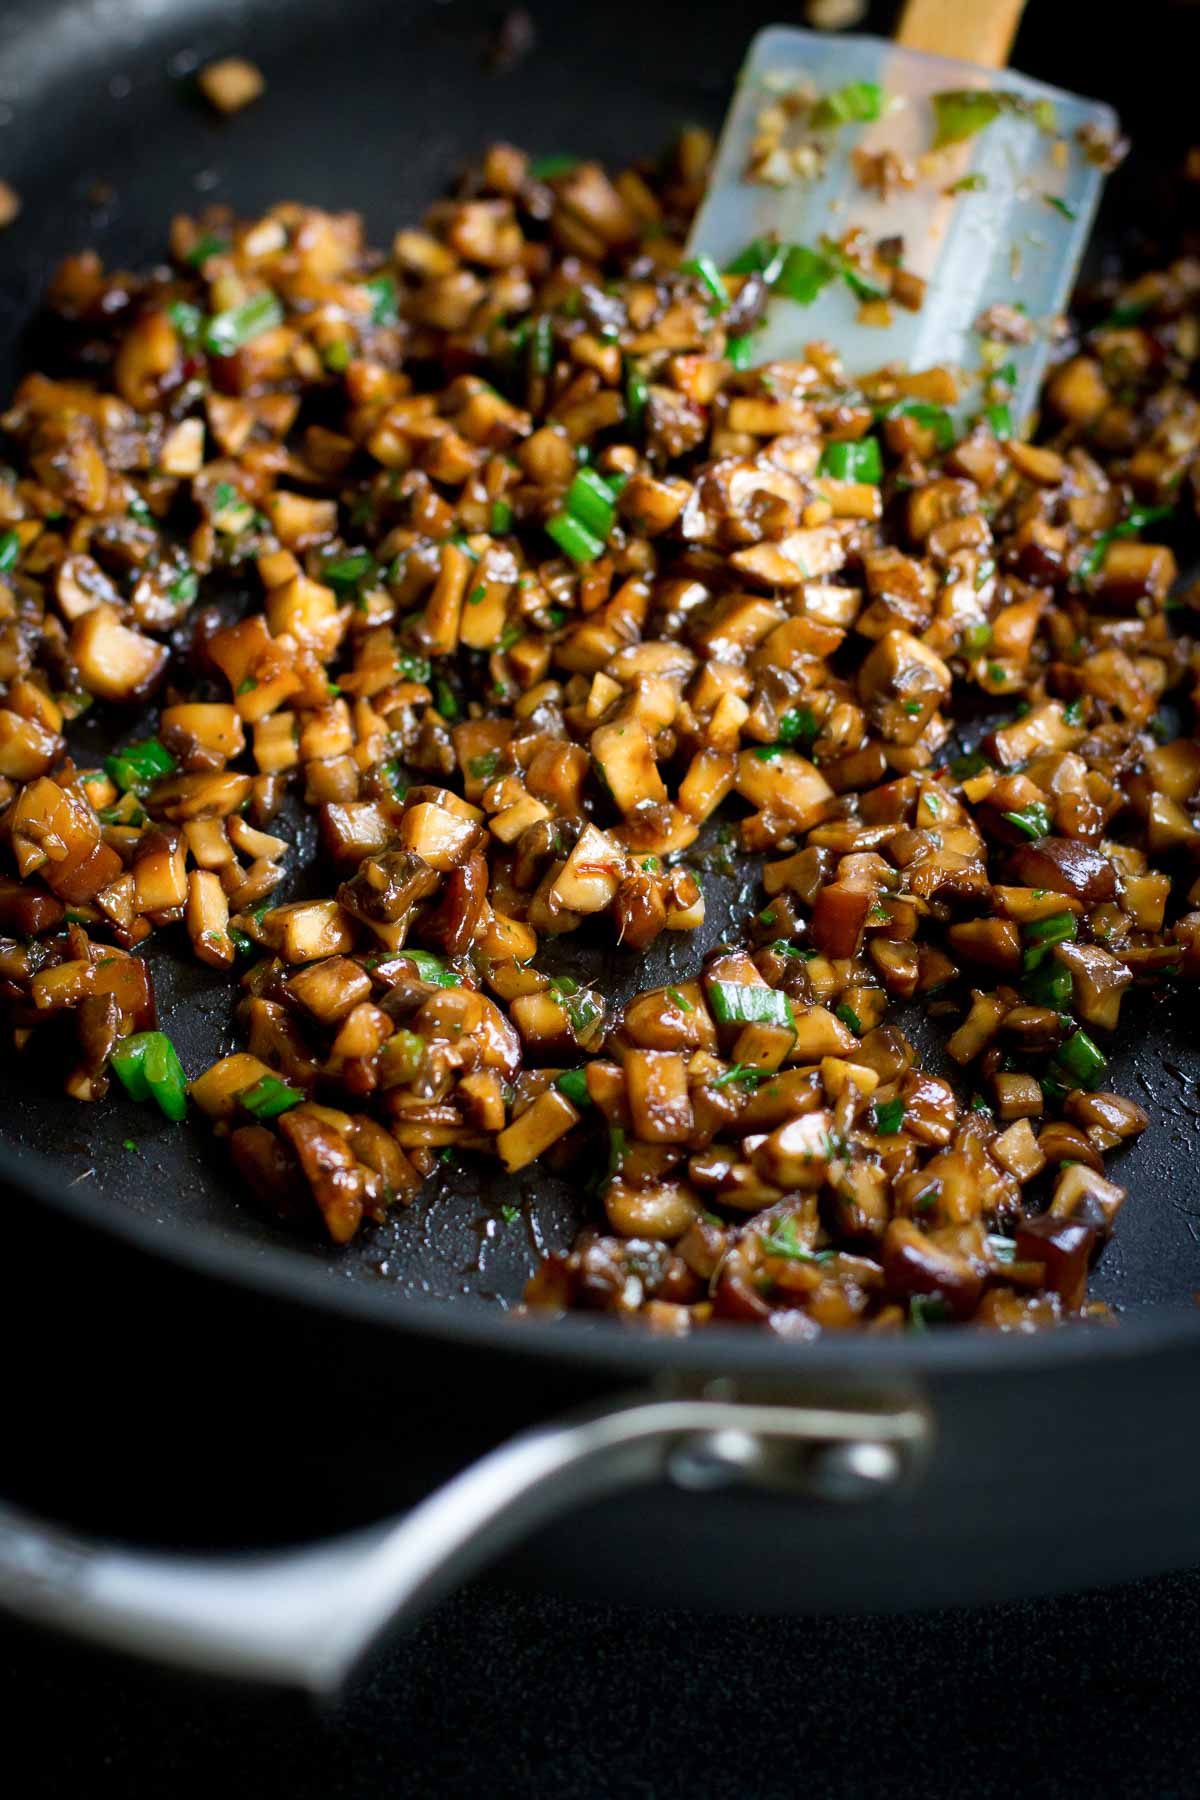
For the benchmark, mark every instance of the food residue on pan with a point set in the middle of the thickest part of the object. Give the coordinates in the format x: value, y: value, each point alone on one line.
x: 231, y: 83
x: 546, y: 586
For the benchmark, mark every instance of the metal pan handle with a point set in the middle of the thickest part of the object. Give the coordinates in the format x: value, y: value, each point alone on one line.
x: 307, y: 1616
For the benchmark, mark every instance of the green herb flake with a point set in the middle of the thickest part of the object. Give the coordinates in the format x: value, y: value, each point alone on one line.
x: 1034, y: 820
x: 1061, y: 206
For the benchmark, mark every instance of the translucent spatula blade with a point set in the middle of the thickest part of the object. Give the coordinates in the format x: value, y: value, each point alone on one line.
x: 1010, y: 233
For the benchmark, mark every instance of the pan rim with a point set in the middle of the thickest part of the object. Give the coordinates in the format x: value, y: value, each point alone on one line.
x: 598, y: 1344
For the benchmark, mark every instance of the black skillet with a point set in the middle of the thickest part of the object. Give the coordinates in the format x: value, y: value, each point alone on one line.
x: 254, y: 1390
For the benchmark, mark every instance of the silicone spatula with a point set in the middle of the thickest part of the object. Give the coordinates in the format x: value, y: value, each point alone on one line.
x: 996, y: 217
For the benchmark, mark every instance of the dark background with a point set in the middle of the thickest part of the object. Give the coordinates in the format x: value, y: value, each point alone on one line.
x: 500, y: 1690
x: 502, y: 1694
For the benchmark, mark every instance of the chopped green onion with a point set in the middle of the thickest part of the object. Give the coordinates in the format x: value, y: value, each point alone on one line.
x: 925, y: 1310
x: 350, y: 571
x: 148, y: 1068
x: 382, y: 290
x: 783, y: 1242
x: 741, y: 1073
x: 959, y: 114
x: 138, y: 766
x: 541, y: 345
x: 10, y: 549
x: 582, y: 1011
x: 574, y: 539
x: 1000, y: 419
x: 741, y: 1003
x: 888, y: 1116
x: 681, y: 1000
x: 708, y: 273
x: 1137, y: 518
x: 846, y: 1013
x: 969, y: 184
x: 444, y: 701
x: 852, y: 461
x: 977, y: 637
x: 589, y: 499
x: 336, y: 356
x: 802, y: 274
x: 269, y: 1097
x: 185, y: 587
x: 1034, y: 821
x: 739, y: 350
x: 1128, y: 312
x: 616, y: 1151
x: 767, y: 752
x: 637, y: 393
x: 1082, y: 1060
x: 431, y: 968
x: 851, y: 274
x: 1048, y: 985
x: 187, y: 319
x: 242, y: 943
x: 413, y: 668
x: 502, y: 517
x: 228, y: 331
x: 972, y: 763
x: 857, y: 103
x: 1058, y: 928
x: 573, y: 1083
x: 482, y: 768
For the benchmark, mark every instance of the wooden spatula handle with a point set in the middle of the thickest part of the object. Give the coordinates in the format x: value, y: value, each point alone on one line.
x: 977, y: 31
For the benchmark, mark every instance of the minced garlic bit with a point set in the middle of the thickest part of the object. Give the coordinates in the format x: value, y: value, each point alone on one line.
x: 231, y: 83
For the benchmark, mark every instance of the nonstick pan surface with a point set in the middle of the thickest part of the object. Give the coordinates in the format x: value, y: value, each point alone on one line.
x: 374, y: 107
